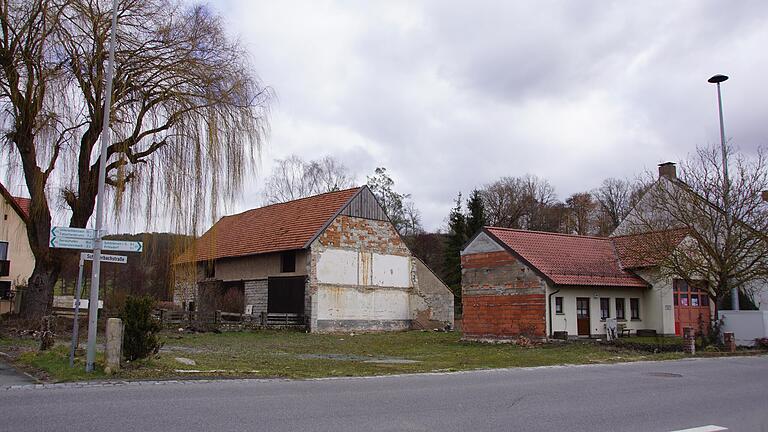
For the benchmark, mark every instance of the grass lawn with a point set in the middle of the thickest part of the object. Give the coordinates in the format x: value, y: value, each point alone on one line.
x: 291, y: 354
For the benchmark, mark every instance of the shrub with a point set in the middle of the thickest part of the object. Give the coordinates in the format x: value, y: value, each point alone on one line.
x: 761, y: 343
x: 140, y: 338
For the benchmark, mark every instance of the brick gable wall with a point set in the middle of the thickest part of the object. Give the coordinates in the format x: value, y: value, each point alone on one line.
x: 502, y: 298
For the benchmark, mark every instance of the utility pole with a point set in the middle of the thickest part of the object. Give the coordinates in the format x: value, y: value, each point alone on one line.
x: 93, y: 306
x: 717, y: 79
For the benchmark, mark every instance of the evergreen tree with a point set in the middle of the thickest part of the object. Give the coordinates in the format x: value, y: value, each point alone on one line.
x: 457, y: 236
x: 475, y: 214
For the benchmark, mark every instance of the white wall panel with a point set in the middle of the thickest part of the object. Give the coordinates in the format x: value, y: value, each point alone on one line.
x: 342, y: 303
x: 338, y: 266
x: 391, y: 271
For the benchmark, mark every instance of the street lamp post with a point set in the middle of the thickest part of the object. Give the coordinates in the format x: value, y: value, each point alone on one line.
x: 93, y: 305
x: 717, y: 79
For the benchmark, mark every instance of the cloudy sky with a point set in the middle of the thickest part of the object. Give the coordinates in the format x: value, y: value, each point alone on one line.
x: 449, y: 95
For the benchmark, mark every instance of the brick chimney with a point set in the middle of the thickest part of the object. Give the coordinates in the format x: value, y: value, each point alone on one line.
x: 765, y: 195
x: 668, y: 170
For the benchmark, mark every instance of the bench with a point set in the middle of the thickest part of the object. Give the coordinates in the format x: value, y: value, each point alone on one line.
x: 623, y: 330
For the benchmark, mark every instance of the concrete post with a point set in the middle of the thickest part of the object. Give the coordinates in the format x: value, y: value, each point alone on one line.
x: 689, y: 338
x: 114, y: 350
x: 730, y: 341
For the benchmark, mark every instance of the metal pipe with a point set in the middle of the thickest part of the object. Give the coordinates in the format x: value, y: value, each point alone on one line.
x: 76, y: 324
x: 549, y: 312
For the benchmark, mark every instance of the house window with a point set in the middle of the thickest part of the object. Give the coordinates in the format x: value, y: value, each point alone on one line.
x: 605, y: 311
x: 3, y: 250
x: 210, y: 269
x: 634, y: 308
x: 620, y: 309
x: 558, y: 305
x: 5, y: 290
x: 288, y: 262
x: 694, y: 294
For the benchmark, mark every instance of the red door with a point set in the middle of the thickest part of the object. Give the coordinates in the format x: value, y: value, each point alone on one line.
x: 691, y: 307
x: 582, y: 316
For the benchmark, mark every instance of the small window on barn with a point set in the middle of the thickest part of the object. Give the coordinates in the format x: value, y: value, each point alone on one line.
x: 3, y: 250
x: 620, y: 308
x: 634, y: 308
x: 288, y: 262
x: 5, y: 290
x: 605, y: 308
x: 558, y: 305
x: 210, y: 269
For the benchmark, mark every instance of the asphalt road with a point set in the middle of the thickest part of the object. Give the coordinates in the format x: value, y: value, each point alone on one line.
x: 655, y: 396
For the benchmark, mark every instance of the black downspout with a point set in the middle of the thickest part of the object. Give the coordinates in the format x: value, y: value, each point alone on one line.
x: 549, y: 312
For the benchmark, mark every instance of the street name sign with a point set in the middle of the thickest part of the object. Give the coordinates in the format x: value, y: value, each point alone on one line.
x: 117, y: 259
x: 110, y: 245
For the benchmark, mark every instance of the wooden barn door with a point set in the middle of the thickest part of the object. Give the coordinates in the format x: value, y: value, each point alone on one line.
x: 692, y: 307
x: 286, y: 295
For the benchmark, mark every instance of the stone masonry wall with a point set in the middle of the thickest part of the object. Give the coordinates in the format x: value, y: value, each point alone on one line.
x: 256, y: 292
x: 363, y: 234
x: 502, y: 298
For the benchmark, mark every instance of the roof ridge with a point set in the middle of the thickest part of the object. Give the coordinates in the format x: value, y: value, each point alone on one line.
x: 293, y: 201
x: 649, y: 232
x: 548, y: 233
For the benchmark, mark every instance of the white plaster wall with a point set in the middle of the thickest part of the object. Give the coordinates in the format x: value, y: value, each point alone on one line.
x: 391, y: 271
x: 347, y: 303
x: 567, y: 320
x: 482, y: 243
x: 745, y: 325
x: 759, y: 292
x: 14, y: 231
x: 338, y: 266
x: 350, y: 267
x: 661, y: 309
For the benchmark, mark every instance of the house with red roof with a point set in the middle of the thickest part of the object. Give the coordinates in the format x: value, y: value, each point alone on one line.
x: 331, y: 262
x: 16, y: 258
x: 542, y: 284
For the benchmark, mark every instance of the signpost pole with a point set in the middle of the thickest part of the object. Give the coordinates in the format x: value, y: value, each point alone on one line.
x: 93, y: 306
x: 75, y: 326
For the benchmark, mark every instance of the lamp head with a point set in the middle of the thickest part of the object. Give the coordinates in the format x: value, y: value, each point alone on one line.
x: 717, y: 79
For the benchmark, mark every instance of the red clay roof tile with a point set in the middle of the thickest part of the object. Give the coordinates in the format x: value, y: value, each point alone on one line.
x: 273, y: 228
x: 24, y: 204
x: 569, y: 259
x: 647, y: 249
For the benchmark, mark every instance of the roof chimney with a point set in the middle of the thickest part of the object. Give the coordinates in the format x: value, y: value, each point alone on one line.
x: 765, y: 195
x: 668, y: 170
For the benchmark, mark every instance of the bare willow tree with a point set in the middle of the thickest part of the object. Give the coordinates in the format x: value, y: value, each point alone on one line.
x: 188, y: 115
x: 293, y: 178
x: 726, y: 222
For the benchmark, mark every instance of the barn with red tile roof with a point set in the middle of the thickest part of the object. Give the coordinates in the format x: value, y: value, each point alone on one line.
x: 330, y: 262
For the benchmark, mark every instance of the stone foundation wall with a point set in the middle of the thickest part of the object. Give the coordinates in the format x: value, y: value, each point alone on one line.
x: 256, y: 294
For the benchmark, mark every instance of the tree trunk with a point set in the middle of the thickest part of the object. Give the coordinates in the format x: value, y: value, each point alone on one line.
x: 37, y: 299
